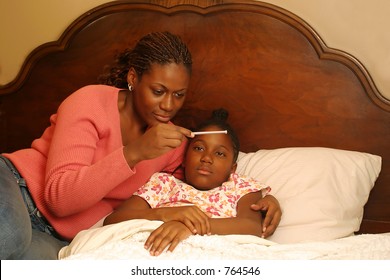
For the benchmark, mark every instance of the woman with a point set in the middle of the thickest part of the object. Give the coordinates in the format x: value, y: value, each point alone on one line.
x: 104, y: 142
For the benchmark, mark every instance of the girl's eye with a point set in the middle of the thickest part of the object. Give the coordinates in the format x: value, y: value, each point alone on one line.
x: 198, y: 148
x: 220, y: 154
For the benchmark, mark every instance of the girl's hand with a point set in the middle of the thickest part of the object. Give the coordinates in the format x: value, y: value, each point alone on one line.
x: 273, y: 214
x: 168, y: 234
x: 191, y: 216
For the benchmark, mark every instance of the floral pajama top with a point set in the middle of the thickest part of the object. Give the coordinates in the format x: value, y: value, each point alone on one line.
x: 164, y: 190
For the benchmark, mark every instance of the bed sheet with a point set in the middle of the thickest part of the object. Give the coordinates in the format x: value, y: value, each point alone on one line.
x: 126, y: 241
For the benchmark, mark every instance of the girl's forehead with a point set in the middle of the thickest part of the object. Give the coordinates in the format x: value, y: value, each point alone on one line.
x: 215, y: 140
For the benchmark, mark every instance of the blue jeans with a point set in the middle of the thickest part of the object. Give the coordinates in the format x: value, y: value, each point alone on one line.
x: 24, y: 232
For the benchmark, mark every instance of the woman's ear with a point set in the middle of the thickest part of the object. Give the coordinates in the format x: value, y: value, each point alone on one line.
x: 131, y: 76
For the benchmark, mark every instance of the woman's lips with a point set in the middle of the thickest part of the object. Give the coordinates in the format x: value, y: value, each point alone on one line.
x: 162, y: 118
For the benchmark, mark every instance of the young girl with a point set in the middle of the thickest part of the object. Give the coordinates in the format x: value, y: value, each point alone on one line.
x: 214, y: 199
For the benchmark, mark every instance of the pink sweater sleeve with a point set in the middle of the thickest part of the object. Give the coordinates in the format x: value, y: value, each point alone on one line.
x: 85, y: 160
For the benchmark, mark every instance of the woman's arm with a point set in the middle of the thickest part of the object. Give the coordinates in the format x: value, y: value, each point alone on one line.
x: 247, y: 221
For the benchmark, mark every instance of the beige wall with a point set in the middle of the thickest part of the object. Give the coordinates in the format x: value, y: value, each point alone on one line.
x: 359, y: 27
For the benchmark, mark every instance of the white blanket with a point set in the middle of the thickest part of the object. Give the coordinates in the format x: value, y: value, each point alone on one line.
x: 126, y: 241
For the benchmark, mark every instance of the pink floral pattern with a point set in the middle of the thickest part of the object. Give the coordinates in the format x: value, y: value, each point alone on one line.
x: 164, y: 190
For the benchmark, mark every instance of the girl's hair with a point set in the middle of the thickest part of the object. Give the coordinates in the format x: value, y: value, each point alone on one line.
x: 158, y: 47
x: 219, y: 118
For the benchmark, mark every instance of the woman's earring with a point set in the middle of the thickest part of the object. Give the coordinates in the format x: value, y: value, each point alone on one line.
x: 130, y: 87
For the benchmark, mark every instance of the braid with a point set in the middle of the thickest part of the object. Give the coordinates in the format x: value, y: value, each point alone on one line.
x: 159, y: 47
x: 220, y: 116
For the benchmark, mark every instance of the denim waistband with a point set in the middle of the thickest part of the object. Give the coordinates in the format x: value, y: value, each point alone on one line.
x: 38, y: 221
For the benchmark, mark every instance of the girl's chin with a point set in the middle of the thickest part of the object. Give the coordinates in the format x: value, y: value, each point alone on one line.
x: 202, y: 187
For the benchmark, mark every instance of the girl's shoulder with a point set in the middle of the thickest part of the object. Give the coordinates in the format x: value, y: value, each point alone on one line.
x: 243, y: 181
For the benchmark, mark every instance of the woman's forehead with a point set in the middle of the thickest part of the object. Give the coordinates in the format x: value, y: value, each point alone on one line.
x: 170, y: 75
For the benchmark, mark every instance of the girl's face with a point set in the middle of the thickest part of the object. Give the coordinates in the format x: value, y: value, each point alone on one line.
x: 160, y: 93
x: 209, y: 160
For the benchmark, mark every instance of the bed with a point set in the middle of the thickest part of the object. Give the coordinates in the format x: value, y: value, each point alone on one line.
x: 311, y: 121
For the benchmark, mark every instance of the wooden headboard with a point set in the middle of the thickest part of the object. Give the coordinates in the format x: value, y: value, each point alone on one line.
x: 281, y: 84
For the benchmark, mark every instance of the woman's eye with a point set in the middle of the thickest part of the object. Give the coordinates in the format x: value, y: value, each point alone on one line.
x: 179, y: 94
x: 198, y: 148
x: 158, y: 92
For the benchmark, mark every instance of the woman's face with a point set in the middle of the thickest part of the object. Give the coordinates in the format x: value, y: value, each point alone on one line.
x: 209, y: 160
x: 160, y: 93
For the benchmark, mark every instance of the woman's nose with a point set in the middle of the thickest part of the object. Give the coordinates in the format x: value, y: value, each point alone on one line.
x: 166, y: 103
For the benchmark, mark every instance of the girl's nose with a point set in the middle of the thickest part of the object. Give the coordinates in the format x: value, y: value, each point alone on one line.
x: 206, y: 158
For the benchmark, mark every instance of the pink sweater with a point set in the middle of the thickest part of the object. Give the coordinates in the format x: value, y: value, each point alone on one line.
x: 76, y: 172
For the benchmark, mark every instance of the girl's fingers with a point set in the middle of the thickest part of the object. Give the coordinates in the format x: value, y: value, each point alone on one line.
x: 188, y: 223
x: 173, y: 245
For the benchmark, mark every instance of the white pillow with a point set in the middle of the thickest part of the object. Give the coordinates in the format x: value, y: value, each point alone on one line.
x: 321, y: 191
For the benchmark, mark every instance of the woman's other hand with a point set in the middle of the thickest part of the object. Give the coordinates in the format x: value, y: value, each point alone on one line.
x: 270, y: 205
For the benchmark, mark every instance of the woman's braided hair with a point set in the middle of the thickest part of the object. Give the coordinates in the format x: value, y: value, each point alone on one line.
x: 158, y: 47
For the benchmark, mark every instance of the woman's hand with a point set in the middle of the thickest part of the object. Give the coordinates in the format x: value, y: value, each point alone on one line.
x: 156, y: 141
x: 271, y: 206
x: 168, y: 234
x: 191, y: 216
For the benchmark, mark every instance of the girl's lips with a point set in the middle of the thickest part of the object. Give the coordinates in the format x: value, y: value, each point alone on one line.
x: 204, y: 171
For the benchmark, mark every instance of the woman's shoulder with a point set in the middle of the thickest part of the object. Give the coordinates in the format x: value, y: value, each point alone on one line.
x: 95, y: 92
x: 92, y: 95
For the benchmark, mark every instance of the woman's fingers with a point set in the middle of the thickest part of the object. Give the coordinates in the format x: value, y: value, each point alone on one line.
x: 271, y: 222
x: 273, y: 215
x: 156, y: 141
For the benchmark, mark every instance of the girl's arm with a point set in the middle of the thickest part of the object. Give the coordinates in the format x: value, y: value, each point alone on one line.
x: 137, y: 208
x: 133, y: 208
x: 247, y: 221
